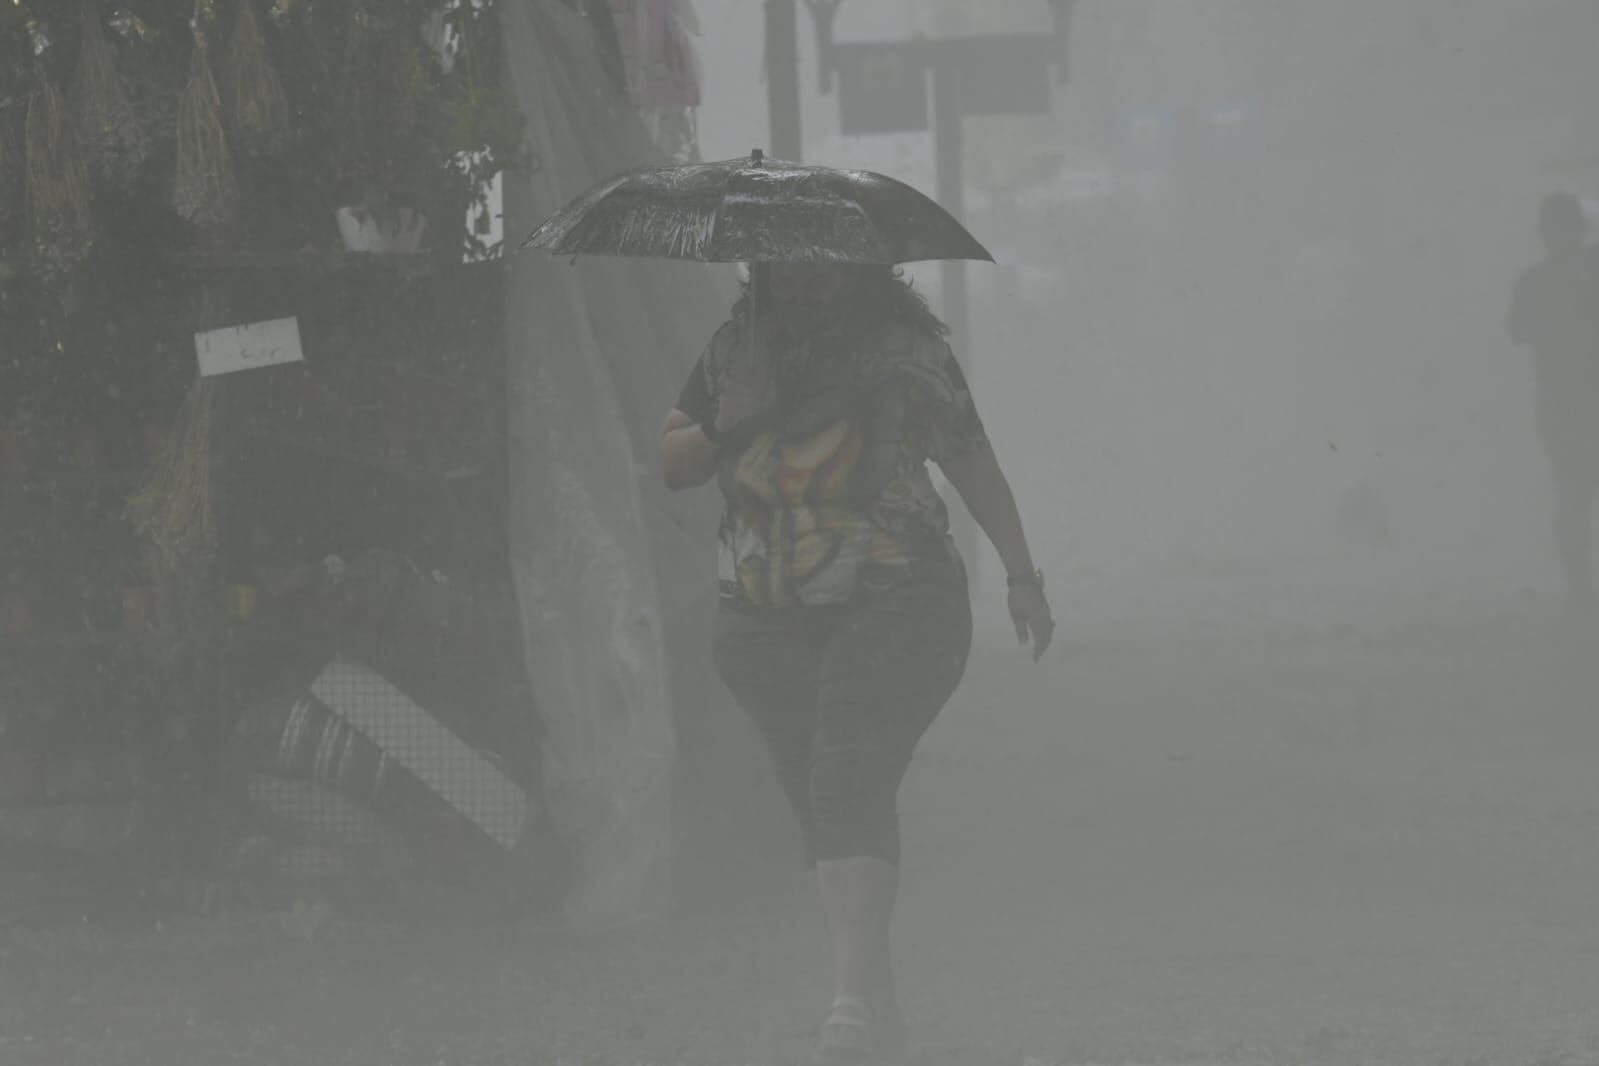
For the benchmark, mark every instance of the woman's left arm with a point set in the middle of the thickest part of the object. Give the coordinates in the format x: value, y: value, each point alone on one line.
x: 987, y: 494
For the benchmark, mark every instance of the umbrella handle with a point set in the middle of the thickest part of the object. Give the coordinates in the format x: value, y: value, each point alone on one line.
x: 760, y: 282
x: 757, y: 270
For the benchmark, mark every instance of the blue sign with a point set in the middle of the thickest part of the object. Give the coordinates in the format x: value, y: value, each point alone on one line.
x: 1147, y: 138
x: 1155, y: 138
x: 1230, y: 130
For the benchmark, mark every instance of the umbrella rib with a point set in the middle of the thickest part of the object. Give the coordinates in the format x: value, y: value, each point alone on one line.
x: 725, y: 213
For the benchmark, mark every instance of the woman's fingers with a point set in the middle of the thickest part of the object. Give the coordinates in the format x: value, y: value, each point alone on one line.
x: 1029, y: 611
x: 1043, y: 634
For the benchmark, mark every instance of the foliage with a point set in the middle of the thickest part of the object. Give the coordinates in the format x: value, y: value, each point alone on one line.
x: 394, y: 110
x: 381, y: 103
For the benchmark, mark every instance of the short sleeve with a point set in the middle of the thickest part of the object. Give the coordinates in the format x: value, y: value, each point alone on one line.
x: 703, y: 387
x: 947, y: 413
x: 695, y: 400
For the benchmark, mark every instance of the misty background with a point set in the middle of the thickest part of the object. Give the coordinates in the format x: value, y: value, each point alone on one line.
x: 1307, y: 777
x: 1267, y: 379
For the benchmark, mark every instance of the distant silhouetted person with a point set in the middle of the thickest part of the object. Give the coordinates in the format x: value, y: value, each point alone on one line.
x: 1555, y: 312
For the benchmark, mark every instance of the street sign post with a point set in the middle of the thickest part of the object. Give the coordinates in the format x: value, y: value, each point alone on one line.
x: 782, y: 80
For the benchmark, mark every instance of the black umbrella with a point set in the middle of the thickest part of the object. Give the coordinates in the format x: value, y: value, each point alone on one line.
x: 755, y: 210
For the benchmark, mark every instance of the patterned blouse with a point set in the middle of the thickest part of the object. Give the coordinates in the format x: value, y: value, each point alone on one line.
x: 831, y: 487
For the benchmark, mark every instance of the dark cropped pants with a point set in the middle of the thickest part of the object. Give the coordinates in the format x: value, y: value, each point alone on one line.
x: 842, y: 694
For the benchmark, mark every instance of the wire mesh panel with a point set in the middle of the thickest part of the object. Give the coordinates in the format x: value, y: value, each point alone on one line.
x: 352, y: 777
x: 314, y: 812
x: 403, y: 733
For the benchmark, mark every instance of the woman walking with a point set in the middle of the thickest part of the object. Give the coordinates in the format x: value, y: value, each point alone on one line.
x: 844, y: 623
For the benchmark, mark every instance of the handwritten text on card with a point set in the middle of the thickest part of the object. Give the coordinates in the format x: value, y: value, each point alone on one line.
x: 224, y: 351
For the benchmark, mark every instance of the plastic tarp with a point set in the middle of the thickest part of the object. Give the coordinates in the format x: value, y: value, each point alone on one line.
x: 615, y: 576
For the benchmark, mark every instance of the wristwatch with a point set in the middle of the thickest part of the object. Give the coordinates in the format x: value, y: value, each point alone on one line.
x: 1033, y: 580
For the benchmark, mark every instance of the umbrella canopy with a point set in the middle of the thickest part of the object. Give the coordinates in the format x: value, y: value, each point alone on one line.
x: 754, y: 210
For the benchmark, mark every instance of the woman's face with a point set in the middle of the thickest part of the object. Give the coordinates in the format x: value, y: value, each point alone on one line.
x: 811, y: 284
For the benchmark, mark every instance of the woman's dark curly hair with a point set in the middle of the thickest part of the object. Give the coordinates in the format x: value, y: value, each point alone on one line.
x: 875, y: 293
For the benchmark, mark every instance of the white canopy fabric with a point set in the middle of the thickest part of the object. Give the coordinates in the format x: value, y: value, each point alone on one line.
x: 615, y: 576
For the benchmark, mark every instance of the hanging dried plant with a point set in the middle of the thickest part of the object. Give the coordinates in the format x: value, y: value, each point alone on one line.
x: 397, y: 91
x: 257, y: 108
x: 115, y: 144
x: 57, y: 184
x: 173, y: 511
x: 10, y: 174
x: 206, y: 190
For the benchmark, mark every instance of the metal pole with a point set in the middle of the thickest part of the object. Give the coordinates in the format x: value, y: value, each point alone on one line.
x: 1064, y: 10
x: 782, y: 79
x: 949, y: 149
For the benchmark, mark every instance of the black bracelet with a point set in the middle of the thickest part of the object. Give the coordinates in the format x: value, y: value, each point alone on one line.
x: 712, y: 434
x: 1034, y: 580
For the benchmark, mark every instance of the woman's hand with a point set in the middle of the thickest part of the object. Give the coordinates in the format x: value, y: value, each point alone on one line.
x: 688, y: 459
x: 1029, y: 610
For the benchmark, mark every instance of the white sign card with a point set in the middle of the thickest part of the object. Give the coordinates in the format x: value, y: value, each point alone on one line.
x: 271, y: 343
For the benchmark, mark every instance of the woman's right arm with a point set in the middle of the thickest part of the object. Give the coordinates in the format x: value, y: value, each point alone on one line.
x: 688, y: 457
